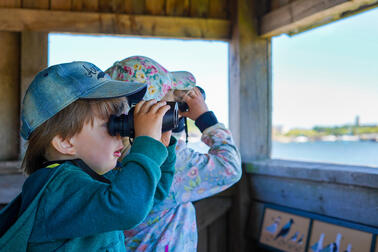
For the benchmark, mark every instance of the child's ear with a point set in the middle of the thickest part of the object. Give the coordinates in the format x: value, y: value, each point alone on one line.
x: 64, y: 146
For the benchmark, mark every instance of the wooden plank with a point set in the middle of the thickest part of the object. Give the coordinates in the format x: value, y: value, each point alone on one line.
x: 35, y: 4
x: 9, y: 95
x: 199, y: 8
x: 219, y: 9
x: 208, y: 210
x: 85, y: 5
x: 177, y: 8
x: 249, y: 105
x: 10, y: 167
x: 60, y: 5
x: 352, y: 203
x: 202, y: 240
x: 218, y: 235
x: 106, y: 5
x: 10, y: 3
x: 303, y: 15
x: 155, y: 7
x: 134, y: 6
x: 319, y: 172
x: 103, y: 23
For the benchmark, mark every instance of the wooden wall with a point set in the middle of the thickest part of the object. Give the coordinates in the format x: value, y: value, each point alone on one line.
x: 183, y: 8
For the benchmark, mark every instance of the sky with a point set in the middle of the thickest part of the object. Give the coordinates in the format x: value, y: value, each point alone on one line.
x: 326, y: 76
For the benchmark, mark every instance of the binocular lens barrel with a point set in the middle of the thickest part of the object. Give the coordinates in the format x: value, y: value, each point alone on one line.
x: 124, y: 124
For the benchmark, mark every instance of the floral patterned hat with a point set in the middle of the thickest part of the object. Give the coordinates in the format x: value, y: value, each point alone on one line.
x: 159, y: 80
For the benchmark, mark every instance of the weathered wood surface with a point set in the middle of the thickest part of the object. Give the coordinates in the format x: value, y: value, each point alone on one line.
x: 9, y: 87
x: 95, y: 23
x: 177, y: 7
x: 348, y: 202
x: 218, y: 235
x: 249, y: 105
x: 303, y: 15
x: 320, y: 172
x: 202, y: 240
x: 208, y: 210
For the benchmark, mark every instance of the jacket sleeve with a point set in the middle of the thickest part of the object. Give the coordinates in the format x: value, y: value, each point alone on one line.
x: 167, y: 172
x: 76, y: 205
x: 201, y: 175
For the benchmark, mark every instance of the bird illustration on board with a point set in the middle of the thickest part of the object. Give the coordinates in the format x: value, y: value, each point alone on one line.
x: 285, y: 229
x: 273, y: 227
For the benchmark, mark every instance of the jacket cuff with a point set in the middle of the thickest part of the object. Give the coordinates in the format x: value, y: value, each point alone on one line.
x: 150, y: 147
x: 206, y: 120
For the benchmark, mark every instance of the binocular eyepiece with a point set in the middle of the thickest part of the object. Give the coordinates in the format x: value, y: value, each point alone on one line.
x: 124, y: 124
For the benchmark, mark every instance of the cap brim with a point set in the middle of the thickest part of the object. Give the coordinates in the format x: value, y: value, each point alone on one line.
x: 183, y: 80
x: 115, y: 89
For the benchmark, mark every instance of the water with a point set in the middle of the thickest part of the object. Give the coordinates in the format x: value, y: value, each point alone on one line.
x: 341, y: 152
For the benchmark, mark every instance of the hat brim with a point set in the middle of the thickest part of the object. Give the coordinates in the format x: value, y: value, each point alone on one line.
x: 115, y: 89
x: 183, y: 80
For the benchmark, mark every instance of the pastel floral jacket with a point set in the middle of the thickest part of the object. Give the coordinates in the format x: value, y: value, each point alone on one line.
x: 171, y: 225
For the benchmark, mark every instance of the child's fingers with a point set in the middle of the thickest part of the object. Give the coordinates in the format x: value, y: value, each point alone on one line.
x: 156, y: 106
x: 162, y: 110
x: 147, y: 106
x: 138, y: 106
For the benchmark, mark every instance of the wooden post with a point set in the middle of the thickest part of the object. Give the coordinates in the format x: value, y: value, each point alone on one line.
x: 9, y: 90
x: 250, y: 105
x: 34, y: 50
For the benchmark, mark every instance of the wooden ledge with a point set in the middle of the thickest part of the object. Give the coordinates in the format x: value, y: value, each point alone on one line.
x: 303, y: 15
x: 363, y: 176
x: 17, y: 19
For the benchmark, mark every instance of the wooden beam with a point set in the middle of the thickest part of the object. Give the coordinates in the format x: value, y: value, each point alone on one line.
x: 104, y: 23
x: 303, y: 15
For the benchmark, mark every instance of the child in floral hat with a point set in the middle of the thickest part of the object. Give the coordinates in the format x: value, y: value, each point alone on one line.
x: 171, y: 224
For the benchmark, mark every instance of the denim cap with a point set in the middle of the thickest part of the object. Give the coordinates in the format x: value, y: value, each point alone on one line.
x: 56, y: 87
x: 159, y: 80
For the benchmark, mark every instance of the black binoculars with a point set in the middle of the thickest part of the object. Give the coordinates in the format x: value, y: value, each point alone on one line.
x: 124, y: 124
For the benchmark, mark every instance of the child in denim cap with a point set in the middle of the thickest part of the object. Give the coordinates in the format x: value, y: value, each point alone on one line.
x: 66, y: 203
x: 171, y: 225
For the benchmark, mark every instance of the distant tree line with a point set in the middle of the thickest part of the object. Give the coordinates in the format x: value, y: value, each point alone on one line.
x: 319, y: 131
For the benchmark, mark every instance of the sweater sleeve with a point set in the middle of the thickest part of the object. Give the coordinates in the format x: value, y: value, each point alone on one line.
x: 201, y: 175
x: 167, y: 172
x: 76, y: 205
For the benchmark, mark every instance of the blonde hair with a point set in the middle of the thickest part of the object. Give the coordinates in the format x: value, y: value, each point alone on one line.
x: 67, y: 123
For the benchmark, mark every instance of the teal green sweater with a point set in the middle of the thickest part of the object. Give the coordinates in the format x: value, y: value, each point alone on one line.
x: 68, y: 208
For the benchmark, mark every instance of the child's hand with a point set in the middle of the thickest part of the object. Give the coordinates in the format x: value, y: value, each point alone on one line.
x: 166, y: 138
x: 148, y: 118
x: 196, y: 104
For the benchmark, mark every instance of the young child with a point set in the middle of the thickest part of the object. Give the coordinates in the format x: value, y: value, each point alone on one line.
x: 171, y: 225
x: 66, y: 203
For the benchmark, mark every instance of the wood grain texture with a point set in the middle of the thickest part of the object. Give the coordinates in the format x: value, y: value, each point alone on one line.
x: 36, y: 4
x: 250, y: 106
x: 218, y: 235
x: 135, y: 6
x: 347, y: 202
x: 302, y: 15
x: 103, y: 23
x: 219, y: 9
x: 177, y: 8
x: 199, y: 8
x: 9, y: 89
x: 60, y: 5
x: 208, y: 210
x: 155, y: 7
x: 85, y: 5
